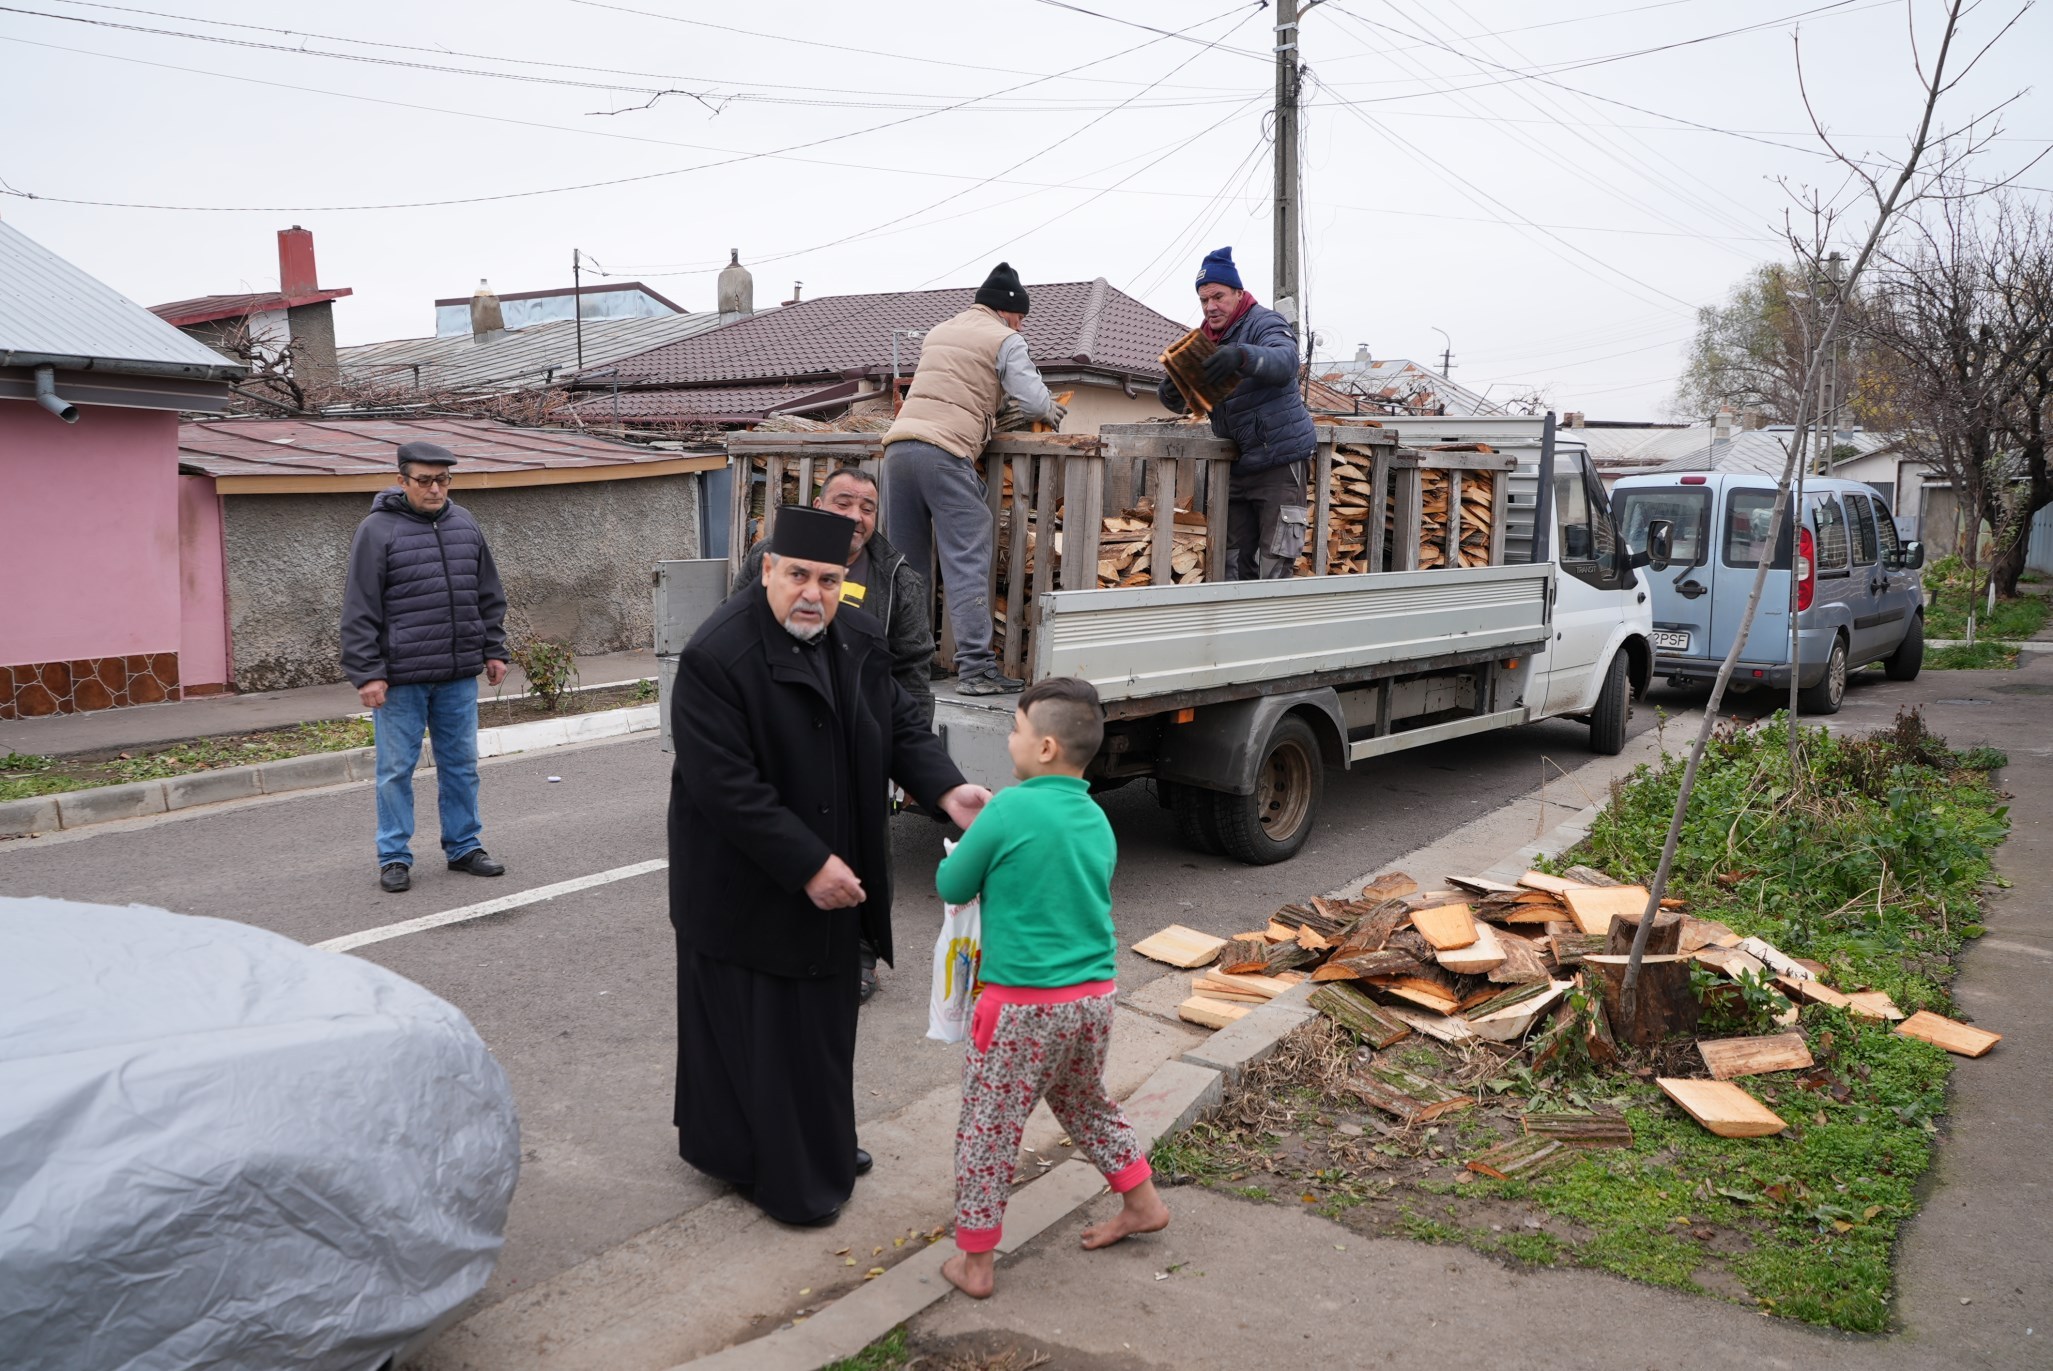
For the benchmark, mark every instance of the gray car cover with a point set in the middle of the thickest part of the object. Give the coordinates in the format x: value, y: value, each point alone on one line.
x: 221, y: 1148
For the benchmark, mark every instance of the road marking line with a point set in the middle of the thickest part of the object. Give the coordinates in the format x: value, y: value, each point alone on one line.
x: 350, y: 941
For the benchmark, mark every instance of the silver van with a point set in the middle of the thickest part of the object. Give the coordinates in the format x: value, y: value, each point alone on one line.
x: 1860, y: 593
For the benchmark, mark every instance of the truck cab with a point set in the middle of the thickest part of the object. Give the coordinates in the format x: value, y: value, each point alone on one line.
x: 1858, y: 586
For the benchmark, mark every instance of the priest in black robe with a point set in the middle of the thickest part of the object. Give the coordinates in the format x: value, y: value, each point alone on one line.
x: 788, y: 728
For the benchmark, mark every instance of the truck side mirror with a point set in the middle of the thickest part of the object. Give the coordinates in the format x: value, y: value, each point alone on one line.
x: 1913, y: 555
x: 1660, y: 546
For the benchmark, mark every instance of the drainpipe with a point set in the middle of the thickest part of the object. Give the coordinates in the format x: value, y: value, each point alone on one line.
x: 48, y: 398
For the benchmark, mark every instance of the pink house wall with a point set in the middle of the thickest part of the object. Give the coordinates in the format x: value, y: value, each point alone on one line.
x: 89, y: 560
x: 202, y: 578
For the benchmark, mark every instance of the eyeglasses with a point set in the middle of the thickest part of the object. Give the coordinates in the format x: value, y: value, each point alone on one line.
x: 444, y: 480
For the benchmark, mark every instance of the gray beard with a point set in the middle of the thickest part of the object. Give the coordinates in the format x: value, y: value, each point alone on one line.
x: 805, y: 633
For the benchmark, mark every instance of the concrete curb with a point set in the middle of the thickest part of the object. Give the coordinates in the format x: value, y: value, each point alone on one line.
x: 104, y: 804
x: 1179, y: 1093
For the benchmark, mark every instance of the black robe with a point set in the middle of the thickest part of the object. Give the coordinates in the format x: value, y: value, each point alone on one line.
x: 772, y: 773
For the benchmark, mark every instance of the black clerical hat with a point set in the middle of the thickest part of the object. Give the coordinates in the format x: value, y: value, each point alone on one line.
x: 812, y: 535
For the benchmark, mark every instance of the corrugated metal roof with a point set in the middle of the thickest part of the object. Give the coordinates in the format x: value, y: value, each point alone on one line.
x: 1761, y: 451
x: 50, y: 308
x: 363, y: 447
x: 1396, y: 380
x: 1072, y: 324
x: 517, y: 359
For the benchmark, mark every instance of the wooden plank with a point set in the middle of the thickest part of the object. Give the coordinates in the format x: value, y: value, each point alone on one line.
x: 1265, y: 987
x: 1873, y: 1004
x: 1483, y: 952
x: 1379, y: 501
x: 1722, y: 1107
x: 1699, y: 933
x: 1207, y: 1012
x: 1776, y: 960
x: 1015, y: 574
x: 1950, y: 1034
x: 1441, y: 1026
x: 1813, y: 991
x: 1553, y: 885
x: 1419, y: 992
x: 1730, y: 1057
x: 1048, y: 542
x: 1083, y: 503
x: 1500, y: 516
x: 1452, y: 549
x: 1594, y: 907
x: 1729, y: 961
x: 1480, y: 885
x: 1322, y: 501
x: 1589, y: 875
x: 1180, y: 946
x: 1512, y: 1022
x: 1584, y: 1130
x: 1522, y: 1156
x: 1218, y: 481
x: 806, y: 467
x: 1445, y: 926
x: 1360, y: 1015
x: 994, y: 495
x: 1162, y: 487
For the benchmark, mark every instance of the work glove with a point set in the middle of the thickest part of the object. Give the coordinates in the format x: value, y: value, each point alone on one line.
x: 1061, y: 413
x: 1011, y: 418
x: 1225, y: 365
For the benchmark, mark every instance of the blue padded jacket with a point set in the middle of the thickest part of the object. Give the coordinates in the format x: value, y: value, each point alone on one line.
x: 423, y: 601
x: 1265, y: 416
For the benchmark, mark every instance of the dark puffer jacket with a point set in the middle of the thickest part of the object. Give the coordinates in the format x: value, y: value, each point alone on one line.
x: 1265, y: 416
x: 423, y: 601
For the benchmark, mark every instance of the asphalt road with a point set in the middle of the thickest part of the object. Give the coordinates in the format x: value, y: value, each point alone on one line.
x: 576, y: 995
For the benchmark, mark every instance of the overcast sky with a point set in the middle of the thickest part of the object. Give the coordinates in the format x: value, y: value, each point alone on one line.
x: 1474, y: 166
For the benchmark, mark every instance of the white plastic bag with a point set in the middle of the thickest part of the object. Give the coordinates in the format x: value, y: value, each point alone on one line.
x: 958, y: 953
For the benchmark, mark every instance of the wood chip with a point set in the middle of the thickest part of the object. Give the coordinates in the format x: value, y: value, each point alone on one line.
x: 1950, y: 1034
x: 1731, y: 1057
x: 1445, y: 926
x: 1388, y: 886
x: 1180, y: 946
x: 1722, y: 1107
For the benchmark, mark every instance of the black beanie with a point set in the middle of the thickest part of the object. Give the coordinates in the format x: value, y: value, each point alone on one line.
x: 1002, y: 290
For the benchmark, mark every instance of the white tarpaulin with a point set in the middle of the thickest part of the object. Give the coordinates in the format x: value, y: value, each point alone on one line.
x: 219, y: 1147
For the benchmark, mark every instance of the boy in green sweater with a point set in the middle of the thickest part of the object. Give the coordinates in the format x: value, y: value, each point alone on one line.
x: 1040, y: 856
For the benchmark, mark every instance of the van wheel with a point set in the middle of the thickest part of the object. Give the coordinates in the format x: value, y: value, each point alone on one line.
x: 1273, y: 823
x: 1904, y: 663
x: 1194, y: 826
x: 1826, y: 695
x: 1607, y: 720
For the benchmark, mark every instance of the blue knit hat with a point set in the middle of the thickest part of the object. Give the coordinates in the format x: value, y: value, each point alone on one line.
x: 1218, y: 270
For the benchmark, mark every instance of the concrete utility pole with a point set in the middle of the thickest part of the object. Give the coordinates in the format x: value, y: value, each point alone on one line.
x: 1286, y: 203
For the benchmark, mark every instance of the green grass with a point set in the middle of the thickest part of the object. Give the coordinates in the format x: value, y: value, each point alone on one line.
x: 887, y: 1353
x: 1985, y: 655
x: 24, y: 775
x: 1948, y: 590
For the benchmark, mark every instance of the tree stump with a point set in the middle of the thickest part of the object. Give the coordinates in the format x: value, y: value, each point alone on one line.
x: 1664, y: 1006
x: 1665, y: 940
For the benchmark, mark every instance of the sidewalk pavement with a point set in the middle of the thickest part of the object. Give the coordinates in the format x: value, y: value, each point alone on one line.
x: 1232, y: 1284
x: 142, y: 726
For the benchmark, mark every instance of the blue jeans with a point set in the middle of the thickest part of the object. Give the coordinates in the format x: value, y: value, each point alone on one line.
x: 448, y: 710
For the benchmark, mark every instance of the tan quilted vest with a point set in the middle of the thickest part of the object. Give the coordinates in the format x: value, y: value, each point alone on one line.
x: 955, y: 394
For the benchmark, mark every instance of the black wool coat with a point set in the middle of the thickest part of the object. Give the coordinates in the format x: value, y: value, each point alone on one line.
x: 763, y: 758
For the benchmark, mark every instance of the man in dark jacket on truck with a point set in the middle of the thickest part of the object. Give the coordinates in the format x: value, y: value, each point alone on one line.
x: 422, y: 615
x: 1266, y: 418
x: 880, y: 580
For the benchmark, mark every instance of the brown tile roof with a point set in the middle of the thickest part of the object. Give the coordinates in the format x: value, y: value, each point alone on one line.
x: 1073, y: 324
x: 327, y: 448
x: 701, y: 404
x: 205, y: 309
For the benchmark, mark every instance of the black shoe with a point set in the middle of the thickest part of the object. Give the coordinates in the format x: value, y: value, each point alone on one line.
x: 989, y: 683
x: 869, y: 984
x: 394, y: 877
x: 478, y: 862
x: 863, y: 1162
x: 825, y: 1220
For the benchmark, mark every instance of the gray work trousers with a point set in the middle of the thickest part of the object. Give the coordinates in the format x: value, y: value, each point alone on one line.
x: 1265, y: 524
x: 934, y: 507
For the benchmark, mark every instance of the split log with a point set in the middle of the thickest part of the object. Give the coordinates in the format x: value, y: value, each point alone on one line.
x: 1246, y: 952
x: 1418, y: 990
x: 1570, y: 948
x: 1589, y: 875
x: 1505, y: 1023
x: 1522, y: 961
x: 1390, y: 885
x: 1359, y: 1014
x: 1664, y: 1007
x: 1411, y: 1098
x: 1363, y: 965
x: 1584, y: 1130
x: 1730, y: 1057
x: 1524, y: 1156
x: 1481, y: 885
x: 1372, y: 931
x: 1481, y: 955
x: 1440, y: 1026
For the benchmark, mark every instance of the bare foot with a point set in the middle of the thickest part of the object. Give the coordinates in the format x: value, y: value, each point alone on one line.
x: 1141, y: 1212
x: 973, y: 1273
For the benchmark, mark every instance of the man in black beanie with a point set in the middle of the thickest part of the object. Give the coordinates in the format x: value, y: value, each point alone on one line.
x: 789, y: 729
x: 934, y: 503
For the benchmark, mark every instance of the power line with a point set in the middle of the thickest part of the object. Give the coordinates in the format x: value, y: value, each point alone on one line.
x: 1150, y: 28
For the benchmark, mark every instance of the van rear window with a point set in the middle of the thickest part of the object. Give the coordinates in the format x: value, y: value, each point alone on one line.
x: 1744, y: 530
x: 1688, y: 508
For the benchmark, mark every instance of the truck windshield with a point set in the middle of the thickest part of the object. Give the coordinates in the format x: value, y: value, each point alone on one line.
x: 1747, y: 513
x: 1689, y: 509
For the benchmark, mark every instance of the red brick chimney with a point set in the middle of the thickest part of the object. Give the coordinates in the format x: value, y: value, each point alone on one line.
x: 296, y: 274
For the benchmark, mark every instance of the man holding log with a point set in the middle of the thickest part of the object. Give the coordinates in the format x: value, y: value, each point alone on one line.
x: 1264, y: 415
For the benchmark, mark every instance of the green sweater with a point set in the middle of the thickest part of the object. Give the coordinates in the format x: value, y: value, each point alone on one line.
x: 1041, y: 855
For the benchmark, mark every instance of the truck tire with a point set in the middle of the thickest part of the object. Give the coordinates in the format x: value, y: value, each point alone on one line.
x: 1271, y: 824
x: 1194, y: 827
x: 1904, y: 663
x: 1825, y: 696
x: 1614, y: 704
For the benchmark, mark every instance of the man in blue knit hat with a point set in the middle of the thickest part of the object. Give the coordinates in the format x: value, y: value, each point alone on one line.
x: 1266, y: 418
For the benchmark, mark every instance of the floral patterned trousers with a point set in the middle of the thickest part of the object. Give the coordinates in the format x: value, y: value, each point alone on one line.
x: 1019, y: 1054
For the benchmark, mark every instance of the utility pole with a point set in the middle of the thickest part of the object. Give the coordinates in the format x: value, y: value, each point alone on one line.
x: 1286, y: 197
x: 577, y: 304
x: 1446, y: 353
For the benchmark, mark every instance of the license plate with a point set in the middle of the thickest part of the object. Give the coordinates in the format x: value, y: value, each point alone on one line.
x: 1671, y: 639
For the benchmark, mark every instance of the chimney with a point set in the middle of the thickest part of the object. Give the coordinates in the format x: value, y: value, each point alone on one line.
x: 736, y: 292
x: 796, y: 288
x: 1721, y: 426
x: 487, y: 320
x: 296, y: 274
x: 1751, y: 419
x: 1361, y: 353
x: 1572, y: 419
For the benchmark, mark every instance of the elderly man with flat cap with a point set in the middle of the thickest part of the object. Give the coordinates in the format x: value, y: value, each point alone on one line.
x: 422, y: 616
x: 788, y: 728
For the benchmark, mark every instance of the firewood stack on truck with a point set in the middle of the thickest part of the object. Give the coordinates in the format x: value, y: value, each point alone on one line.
x: 1460, y: 576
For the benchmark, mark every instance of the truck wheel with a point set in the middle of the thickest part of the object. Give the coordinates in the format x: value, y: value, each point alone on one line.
x: 1274, y: 822
x: 1904, y: 663
x: 1194, y: 827
x: 1607, y: 720
x: 1824, y: 697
